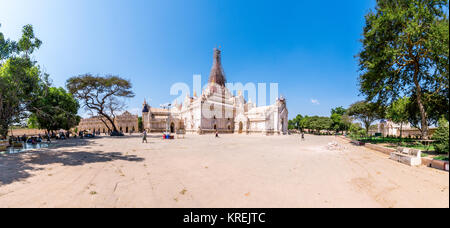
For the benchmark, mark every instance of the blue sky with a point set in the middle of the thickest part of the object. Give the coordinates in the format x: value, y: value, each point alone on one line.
x: 308, y: 47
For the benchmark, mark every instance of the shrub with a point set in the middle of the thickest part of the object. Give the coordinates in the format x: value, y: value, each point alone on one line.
x: 442, y: 158
x: 441, y: 137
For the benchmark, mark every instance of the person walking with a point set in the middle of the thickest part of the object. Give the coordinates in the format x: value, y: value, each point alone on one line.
x: 303, y: 136
x: 144, y: 136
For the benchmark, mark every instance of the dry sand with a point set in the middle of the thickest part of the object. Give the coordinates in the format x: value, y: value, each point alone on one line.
x: 201, y: 171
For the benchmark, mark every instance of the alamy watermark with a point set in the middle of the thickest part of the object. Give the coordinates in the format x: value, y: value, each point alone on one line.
x: 221, y: 106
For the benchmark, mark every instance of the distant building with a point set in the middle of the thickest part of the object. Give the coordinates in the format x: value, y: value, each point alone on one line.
x: 125, y: 122
x: 217, y: 109
x: 389, y: 128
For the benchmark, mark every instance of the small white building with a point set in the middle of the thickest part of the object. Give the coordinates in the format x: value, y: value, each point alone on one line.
x: 389, y: 128
x: 217, y: 109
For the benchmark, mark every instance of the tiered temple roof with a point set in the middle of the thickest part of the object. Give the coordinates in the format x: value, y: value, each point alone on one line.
x: 217, y: 74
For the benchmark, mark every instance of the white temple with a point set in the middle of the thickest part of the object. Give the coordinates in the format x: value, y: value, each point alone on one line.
x: 217, y: 109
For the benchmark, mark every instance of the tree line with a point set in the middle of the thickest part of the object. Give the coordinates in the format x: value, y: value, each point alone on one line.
x: 27, y: 97
x: 405, y: 54
x: 339, y: 121
x: 26, y: 93
x: 403, y: 66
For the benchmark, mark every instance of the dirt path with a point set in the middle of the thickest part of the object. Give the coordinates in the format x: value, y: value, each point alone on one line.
x: 201, y: 171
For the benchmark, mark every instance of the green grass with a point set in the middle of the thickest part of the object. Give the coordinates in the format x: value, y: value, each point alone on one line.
x: 420, y: 147
x: 377, y: 140
x: 396, y: 142
x: 414, y: 146
x: 441, y: 157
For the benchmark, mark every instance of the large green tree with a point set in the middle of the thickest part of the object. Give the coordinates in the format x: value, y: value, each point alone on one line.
x: 340, y: 121
x: 405, y: 51
x: 55, y: 110
x: 339, y: 110
x: 19, y: 84
x: 28, y: 43
x: 7, y: 47
x: 21, y: 80
x: 304, y: 123
x: 366, y: 112
x: 398, y: 113
x: 295, y: 123
x: 102, y: 96
x: 436, y: 106
x: 318, y: 123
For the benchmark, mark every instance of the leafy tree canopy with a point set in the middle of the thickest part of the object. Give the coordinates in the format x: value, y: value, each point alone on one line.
x: 366, y: 112
x: 339, y: 110
x: 341, y: 121
x: 21, y: 80
x: 56, y: 110
x: 20, y: 84
x: 405, y: 51
x: 101, y: 95
x: 398, y: 112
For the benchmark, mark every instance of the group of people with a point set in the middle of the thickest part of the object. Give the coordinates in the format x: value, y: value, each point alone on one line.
x: 144, y: 135
x: 25, y: 138
x: 39, y: 138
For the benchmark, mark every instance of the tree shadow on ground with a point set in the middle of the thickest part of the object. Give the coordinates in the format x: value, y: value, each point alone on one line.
x: 136, y: 136
x: 13, y: 168
x: 79, y: 158
x: 71, y: 143
x: 18, y: 167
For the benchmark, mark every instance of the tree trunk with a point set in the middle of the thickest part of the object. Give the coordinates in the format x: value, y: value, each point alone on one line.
x: 4, y: 132
x: 401, y: 130
x: 367, y: 125
x: 104, y: 122
x: 111, y: 121
x: 423, y: 114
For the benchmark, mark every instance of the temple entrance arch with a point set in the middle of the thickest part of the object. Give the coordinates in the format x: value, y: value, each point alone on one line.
x: 172, y: 128
x: 241, y: 127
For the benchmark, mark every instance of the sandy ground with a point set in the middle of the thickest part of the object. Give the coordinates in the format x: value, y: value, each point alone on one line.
x: 201, y: 171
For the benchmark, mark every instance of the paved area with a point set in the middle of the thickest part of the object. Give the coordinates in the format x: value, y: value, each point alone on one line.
x: 202, y: 171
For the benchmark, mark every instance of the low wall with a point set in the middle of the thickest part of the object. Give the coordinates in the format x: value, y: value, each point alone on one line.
x: 375, y: 147
x: 381, y: 149
x: 28, y: 132
x: 437, y: 164
x: 345, y: 138
x: 429, y: 162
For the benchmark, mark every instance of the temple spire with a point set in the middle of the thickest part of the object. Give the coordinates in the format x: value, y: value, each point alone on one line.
x: 217, y: 74
x: 145, y: 106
